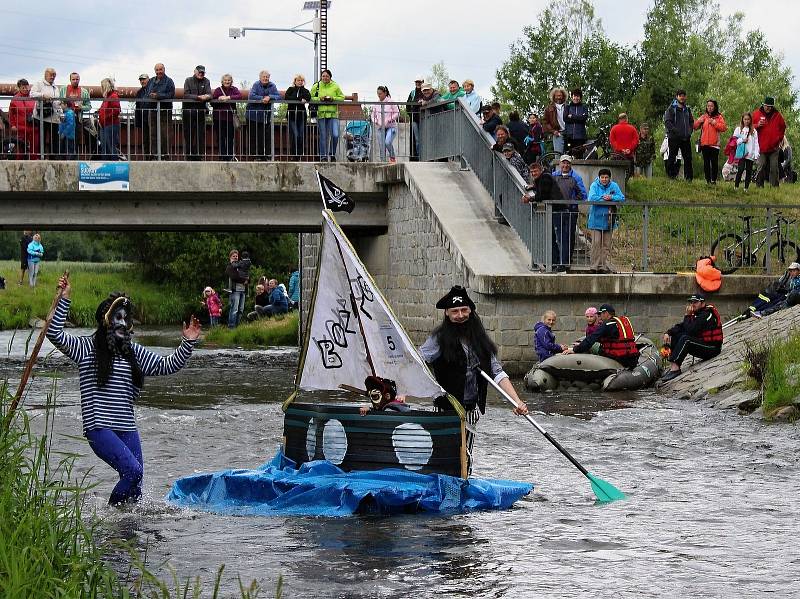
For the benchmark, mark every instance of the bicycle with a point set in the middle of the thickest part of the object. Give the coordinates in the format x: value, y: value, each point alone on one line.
x: 737, y: 251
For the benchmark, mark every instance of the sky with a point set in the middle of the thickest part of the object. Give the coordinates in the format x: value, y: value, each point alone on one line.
x: 370, y: 43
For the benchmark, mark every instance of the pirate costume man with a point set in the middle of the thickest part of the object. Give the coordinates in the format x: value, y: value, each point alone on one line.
x: 456, y: 351
x: 112, y: 369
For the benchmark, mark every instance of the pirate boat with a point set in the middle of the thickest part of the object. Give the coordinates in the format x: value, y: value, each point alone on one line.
x: 334, y: 460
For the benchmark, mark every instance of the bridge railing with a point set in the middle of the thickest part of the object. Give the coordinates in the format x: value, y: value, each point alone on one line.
x: 180, y: 130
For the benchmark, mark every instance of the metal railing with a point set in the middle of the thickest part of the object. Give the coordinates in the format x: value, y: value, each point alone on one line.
x: 158, y: 130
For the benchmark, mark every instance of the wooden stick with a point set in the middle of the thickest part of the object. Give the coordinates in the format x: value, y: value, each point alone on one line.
x: 32, y: 359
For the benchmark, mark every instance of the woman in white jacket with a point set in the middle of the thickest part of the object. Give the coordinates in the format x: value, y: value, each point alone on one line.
x: 48, y: 110
x: 746, y: 149
x: 384, y: 116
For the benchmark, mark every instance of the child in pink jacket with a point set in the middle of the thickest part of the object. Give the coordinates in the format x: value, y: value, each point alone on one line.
x: 213, y: 304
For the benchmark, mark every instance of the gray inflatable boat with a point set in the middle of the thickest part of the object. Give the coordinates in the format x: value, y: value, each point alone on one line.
x: 575, y: 372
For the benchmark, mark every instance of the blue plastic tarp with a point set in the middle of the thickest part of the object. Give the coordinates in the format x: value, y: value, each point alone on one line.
x: 319, y: 488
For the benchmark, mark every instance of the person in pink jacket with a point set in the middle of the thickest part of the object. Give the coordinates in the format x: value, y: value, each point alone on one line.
x: 711, y: 123
x: 213, y: 304
x: 384, y: 117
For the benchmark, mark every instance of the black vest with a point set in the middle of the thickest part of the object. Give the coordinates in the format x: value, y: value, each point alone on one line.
x: 453, y: 378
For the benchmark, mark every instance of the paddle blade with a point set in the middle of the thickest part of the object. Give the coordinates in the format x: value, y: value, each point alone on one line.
x: 604, y: 491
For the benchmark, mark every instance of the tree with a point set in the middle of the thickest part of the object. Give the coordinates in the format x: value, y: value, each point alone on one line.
x: 439, y: 77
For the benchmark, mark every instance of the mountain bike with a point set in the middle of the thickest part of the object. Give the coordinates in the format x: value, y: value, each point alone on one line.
x: 734, y: 251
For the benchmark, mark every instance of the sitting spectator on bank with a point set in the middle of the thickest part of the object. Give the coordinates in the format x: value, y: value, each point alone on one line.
x: 294, y: 289
x: 544, y: 339
x: 277, y: 302
x: 503, y: 137
x: 453, y: 91
x: 534, y: 141
x: 213, y: 305
x: 516, y: 161
x: 260, y: 301
x: 382, y: 395
x: 490, y: 121
x: 699, y: 334
x: 645, y: 153
x: 517, y: 129
x: 624, y: 139
x: 472, y: 98
x: 603, y: 193
x: 783, y: 292
x: 592, y: 321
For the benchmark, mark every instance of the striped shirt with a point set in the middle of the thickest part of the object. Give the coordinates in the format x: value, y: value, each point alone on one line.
x: 110, y: 406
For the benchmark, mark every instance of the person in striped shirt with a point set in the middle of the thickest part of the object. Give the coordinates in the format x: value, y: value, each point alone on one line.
x: 111, y: 370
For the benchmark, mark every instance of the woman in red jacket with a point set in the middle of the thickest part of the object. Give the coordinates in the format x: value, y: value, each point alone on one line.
x: 21, y: 122
x: 711, y: 124
x: 109, y: 121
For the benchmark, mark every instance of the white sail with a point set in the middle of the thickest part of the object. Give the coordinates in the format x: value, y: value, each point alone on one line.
x: 335, y: 350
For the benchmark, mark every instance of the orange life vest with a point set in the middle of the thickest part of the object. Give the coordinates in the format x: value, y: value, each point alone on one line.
x: 712, y: 335
x: 708, y: 276
x: 624, y: 345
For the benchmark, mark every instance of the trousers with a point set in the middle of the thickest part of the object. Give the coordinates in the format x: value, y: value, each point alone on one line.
x: 121, y: 450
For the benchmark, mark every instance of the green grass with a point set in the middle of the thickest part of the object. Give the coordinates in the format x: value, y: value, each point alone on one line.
x: 280, y: 330
x: 91, y: 283
x: 664, y: 189
x: 782, y: 374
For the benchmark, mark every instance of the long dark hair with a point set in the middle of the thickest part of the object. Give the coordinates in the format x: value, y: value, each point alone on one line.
x: 749, y: 125
x: 471, y: 332
x: 103, y: 339
x: 715, y: 112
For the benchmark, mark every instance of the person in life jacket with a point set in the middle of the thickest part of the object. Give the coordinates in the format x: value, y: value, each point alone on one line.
x: 457, y: 350
x: 699, y: 335
x: 616, y: 338
x: 707, y: 275
x: 779, y: 294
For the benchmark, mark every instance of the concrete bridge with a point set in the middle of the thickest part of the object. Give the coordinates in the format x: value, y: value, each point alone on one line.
x: 419, y: 228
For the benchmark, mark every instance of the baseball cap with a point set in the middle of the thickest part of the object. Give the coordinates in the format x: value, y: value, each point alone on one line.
x: 606, y: 308
x: 200, y: 68
x: 769, y: 101
x: 565, y: 158
x: 419, y: 78
x: 144, y: 76
x: 697, y: 297
x: 794, y: 266
x: 427, y: 86
x: 508, y: 146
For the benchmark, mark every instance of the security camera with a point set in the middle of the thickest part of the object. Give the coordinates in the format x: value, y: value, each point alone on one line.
x: 235, y: 32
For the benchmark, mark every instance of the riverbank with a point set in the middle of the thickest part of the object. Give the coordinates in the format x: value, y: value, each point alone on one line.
x: 724, y: 381
x: 91, y: 283
x: 265, y: 332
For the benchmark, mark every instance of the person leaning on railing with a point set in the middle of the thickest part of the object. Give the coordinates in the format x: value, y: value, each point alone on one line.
x: 602, y: 219
x: 22, y: 124
x: 108, y: 115
x: 160, y: 88
x: 324, y: 93
x: 296, y: 115
x: 224, y: 116
x: 141, y: 110
x: 385, y: 116
x: 259, y: 116
x: 196, y: 94
x: 48, y: 111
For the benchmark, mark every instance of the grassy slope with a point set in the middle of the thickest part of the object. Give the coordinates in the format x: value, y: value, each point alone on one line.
x: 91, y: 283
x: 281, y: 330
x: 666, y: 190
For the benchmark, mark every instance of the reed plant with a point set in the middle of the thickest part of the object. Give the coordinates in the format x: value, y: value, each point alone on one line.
x: 92, y: 282
x: 782, y: 374
x: 278, y: 330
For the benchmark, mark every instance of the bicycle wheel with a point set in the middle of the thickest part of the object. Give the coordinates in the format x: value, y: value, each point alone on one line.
x: 547, y: 160
x: 783, y: 254
x: 731, y: 252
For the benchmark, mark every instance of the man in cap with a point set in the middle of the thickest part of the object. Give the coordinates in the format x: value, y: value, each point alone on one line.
x: 782, y: 292
x: 196, y: 94
x: 699, y: 335
x: 456, y: 351
x: 510, y: 153
x: 141, y: 111
x: 112, y: 369
x: 565, y: 222
x: 616, y: 338
x: 490, y: 120
x: 543, y: 188
x: 414, y: 101
x: 771, y: 128
x: 160, y: 88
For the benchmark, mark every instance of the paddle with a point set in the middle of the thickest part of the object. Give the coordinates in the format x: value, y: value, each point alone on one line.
x: 604, y: 491
x: 26, y: 373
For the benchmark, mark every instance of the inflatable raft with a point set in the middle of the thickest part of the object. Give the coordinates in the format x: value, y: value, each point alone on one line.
x: 588, y: 371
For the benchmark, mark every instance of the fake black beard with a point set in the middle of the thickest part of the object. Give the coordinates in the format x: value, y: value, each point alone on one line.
x: 119, y: 346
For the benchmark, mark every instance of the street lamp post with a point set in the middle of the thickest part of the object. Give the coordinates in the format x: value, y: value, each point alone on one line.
x: 237, y: 32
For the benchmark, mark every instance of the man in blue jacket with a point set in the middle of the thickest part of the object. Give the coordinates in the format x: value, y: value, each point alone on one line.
x: 678, y: 123
x: 565, y: 218
x: 278, y: 302
x: 603, y: 219
x: 259, y: 117
x: 160, y: 88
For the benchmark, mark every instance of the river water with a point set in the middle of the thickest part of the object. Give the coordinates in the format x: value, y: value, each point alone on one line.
x: 711, y: 509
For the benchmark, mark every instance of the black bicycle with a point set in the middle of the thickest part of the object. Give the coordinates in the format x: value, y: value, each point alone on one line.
x: 734, y: 251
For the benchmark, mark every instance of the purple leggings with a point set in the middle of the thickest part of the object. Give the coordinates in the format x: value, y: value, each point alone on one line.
x: 122, y: 451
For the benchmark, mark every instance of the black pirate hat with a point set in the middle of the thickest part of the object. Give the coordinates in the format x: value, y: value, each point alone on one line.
x: 456, y: 298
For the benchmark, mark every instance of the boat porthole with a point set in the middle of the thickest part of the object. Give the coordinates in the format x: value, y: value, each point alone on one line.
x: 413, y: 445
x: 311, y: 439
x: 334, y: 442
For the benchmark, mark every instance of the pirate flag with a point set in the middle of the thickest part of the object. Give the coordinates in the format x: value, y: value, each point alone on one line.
x: 334, y: 197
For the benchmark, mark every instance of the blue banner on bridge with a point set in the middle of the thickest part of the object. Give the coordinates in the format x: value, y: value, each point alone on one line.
x: 103, y: 176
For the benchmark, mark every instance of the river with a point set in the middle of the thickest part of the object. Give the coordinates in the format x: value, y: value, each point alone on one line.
x: 711, y: 508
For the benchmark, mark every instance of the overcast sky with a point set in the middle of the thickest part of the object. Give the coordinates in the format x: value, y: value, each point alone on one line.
x: 370, y: 42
